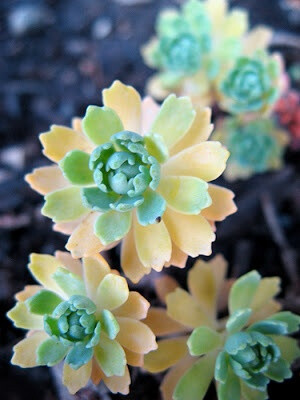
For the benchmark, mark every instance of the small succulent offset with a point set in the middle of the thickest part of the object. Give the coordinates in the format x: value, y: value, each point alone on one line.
x: 252, y: 85
x: 85, y: 315
x: 196, y: 46
x: 242, y: 352
x: 255, y: 146
x: 136, y: 172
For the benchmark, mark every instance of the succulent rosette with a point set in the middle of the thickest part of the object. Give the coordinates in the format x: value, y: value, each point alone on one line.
x: 195, y: 47
x: 255, y: 146
x: 136, y: 172
x: 242, y: 353
x: 252, y: 85
x: 84, y: 314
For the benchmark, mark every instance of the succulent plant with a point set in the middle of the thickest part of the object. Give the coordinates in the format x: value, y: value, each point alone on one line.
x: 195, y: 47
x: 242, y: 352
x: 136, y: 172
x: 84, y: 314
x: 251, y: 85
x: 255, y: 146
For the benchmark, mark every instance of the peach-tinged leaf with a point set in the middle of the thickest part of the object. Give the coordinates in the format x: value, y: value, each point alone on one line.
x: 150, y: 110
x: 183, y: 308
x: 165, y: 285
x: 28, y: 291
x: 64, y: 205
x: 97, y: 373
x: 118, y: 384
x: 267, y: 289
x: 168, y: 353
x: 60, y: 140
x: 69, y: 262
x: 206, y: 160
x: 112, y: 292
x: 270, y: 308
x: 76, y: 379
x: 134, y: 359
x: 83, y: 242
x: 48, y: 179
x: 199, y: 131
x: 191, y: 233
x: 222, y: 203
x: 178, y: 257
x: 174, y: 119
x: 25, y: 351
x: 130, y: 262
x: 135, y: 335
x: 136, y: 307
x: 67, y: 228
x: 161, y: 324
x: 153, y: 244
x: 126, y: 102
x: 257, y: 39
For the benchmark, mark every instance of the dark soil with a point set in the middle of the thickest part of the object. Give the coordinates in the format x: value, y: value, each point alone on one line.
x: 52, y: 65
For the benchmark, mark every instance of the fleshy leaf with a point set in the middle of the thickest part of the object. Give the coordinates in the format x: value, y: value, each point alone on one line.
x: 97, y: 200
x: 79, y: 355
x: 230, y: 389
x: 253, y: 394
x: 238, y: 320
x: 112, y: 292
x: 100, y: 123
x: 64, y: 205
x: 279, y: 371
x: 174, y: 119
x: 112, y: 226
x: 191, y: 386
x: 156, y: 147
x: 51, y: 352
x: 243, y: 291
x: 22, y: 318
x: 289, y: 347
x: 44, y: 302
x: 270, y: 327
x: 70, y: 283
x: 186, y: 194
x: 203, y: 340
x: 221, y: 368
x: 291, y: 320
x: 152, y: 209
x: 110, y: 356
x: 75, y: 167
x: 109, y: 324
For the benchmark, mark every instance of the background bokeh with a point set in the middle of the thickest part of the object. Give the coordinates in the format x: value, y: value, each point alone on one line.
x: 55, y: 58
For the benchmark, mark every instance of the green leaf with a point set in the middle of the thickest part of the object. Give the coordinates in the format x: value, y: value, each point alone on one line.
x: 156, y: 147
x: 175, y: 117
x: 289, y: 347
x: 291, y: 320
x: 75, y: 167
x: 252, y: 394
x: 203, y: 340
x: 243, y: 291
x: 258, y: 382
x: 279, y: 371
x: 112, y: 226
x: 51, y: 352
x: 109, y: 324
x: 97, y: 200
x: 152, y: 209
x: 236, y: 342
x: 110, y: 356
x: 221, y: 368
x: 195, y: 382
x: 43, y: 302
x: 238, y: 320
x: 70, y: 283
x: 185, y: 194
x: 100, y: 123
x: 64, y: 205
x: 22, y: 318
x: 231, y: 389
x: 127, y: 203
x: 78, y: 356
x: 270, y: 327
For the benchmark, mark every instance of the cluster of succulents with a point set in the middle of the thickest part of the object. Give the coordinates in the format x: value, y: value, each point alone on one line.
x: 234, y: 70
x: 137, y: 174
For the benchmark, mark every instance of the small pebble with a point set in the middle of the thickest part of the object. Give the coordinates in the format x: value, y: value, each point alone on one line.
x: 29, y: 18
x: 101, y: 28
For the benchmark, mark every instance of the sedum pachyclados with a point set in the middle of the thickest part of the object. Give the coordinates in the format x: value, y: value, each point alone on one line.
x: 241, y: 352
x: 84, y: 314
x: 255, y: 146
x: 136, y: 172
x: 195, y: 48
